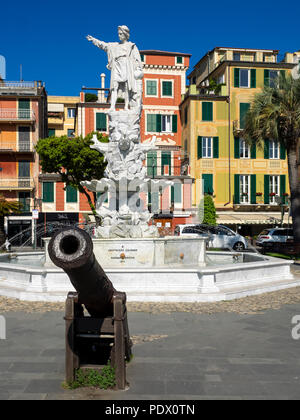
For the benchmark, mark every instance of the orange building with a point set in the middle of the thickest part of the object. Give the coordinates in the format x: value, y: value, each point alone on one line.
x: 23, y: 120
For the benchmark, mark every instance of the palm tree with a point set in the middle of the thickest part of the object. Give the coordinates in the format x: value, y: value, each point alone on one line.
x: 275, y: 114
x: 6, y: 208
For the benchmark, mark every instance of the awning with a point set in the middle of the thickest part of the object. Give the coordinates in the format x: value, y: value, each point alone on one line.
x: 251, y: 218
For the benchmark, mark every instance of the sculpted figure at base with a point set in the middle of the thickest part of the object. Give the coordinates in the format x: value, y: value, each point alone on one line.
x: 125, y: 63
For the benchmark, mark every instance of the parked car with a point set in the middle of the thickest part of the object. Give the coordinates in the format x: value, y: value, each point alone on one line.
x: 268, y: 237
x: 219, y: 236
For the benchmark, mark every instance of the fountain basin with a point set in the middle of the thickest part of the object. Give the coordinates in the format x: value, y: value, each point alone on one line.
x: 227, y: 275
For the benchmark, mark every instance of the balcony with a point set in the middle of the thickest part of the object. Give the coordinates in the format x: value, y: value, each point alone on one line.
x: 16, y: 184
x: 20, y: 88
x: 12, y: 147
x: 15, y: 115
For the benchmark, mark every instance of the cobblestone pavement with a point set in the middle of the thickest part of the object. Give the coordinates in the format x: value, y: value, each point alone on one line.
x: 241, y: 349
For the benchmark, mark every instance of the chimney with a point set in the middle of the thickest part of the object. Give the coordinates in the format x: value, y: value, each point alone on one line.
x: 101, y: 93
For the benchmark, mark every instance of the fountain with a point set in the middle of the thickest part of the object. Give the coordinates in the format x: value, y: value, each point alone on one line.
x: 127, y: 246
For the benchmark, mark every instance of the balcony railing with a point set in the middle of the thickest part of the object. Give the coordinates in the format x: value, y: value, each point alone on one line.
x: 17, y: 115
x: 16, y: 183
x: 13, y: 147
x: 19, y: 87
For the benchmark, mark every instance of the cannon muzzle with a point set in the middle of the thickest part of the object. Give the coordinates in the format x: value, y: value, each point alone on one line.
x: 72, y: 250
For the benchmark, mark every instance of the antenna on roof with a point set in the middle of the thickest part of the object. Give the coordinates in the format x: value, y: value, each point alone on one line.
x: 21, y: 75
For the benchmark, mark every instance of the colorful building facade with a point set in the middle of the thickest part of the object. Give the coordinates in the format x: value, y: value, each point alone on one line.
x: 241, y: 178
x: 23, y: 120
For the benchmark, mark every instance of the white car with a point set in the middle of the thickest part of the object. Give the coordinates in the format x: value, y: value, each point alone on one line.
x: 219, y: 236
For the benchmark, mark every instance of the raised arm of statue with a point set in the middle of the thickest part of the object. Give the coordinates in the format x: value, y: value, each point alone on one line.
x: 99, y: 44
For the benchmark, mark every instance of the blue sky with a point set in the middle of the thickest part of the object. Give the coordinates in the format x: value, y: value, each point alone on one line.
x: 48, y: 38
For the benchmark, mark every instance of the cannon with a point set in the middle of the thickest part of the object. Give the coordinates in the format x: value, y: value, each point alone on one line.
x: 101, y: 335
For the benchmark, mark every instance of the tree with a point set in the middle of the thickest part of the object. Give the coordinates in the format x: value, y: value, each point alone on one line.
x: 275, y: 114
x: 74, y: 161
x: 90, y: 97
x: 210, y: 215
x: 6, y: 208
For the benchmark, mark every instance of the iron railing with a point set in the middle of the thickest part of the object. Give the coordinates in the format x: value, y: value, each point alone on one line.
x: 16, y: 183
x: 16, y: 114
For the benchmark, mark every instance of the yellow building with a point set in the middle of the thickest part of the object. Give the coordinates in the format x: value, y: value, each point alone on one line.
x: 242, y: 179
x: 61, y: 115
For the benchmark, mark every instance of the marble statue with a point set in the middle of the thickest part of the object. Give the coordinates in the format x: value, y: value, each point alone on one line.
x: 125, y: 63
x: 125, y: 176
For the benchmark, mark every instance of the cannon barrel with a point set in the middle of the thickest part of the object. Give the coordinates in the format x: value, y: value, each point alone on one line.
x: 72, y: 250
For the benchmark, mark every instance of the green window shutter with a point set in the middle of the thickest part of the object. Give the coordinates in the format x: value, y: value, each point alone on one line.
x: 216, y: 148
x: 151, y: 87
x: 24, y: 108
x: 174, y: 123
x: 152, y: 164
x: 236, y: 148
x: 167, y: 88
x: 48, y: 192
x: 208, y: 183
x: 282, y: 152
x: 151, y: 123
x: 177, y: 193
x: 282, y: 75
x: 101, y: 121
x: 207, y: 111
x: 267, y: 189
x: 253, y: 189
x: 165, y: 160
x: 266, y: 78
x: 51, y: 132
x: 267, y: 149
x: 24, y: 169
x: 158, y: 123
x: 199, y: 147
x: 244, y: 108
x: 237, y: 78
x: 282, y: 185
x: 253, y: 151
x: 253, y: 79
x: 71, y: 194
x: 236, y: 189
x: 179, y: 60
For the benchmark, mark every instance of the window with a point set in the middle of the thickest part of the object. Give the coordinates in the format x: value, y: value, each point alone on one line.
x: 274, y: 188
x: 207, y: 180
x: 207, y: 147
x: 71, y: 194
x: 244, y: 189
x: 179, y: 60
x: 166, y: 123
x: 24, y: 169
x: 207, y: 111
x: 24, y: 199
x: 236, y: 56
x: 71, y: 112
x: 142, y: 58
x: 166, y: 162
x: 244, y: 78
x: 176, y: 193
x: 48, y: 192
x: 244, y: 150
x: 271, y: 78
x: 70, y: 132
x: 274, y: 149
x: 24, y: 109
x: 244, y: 108
x: 152, y: 164
x: 151, y: 123
x: 101, y: 121
x: 151, y: 87
x: 24, y: 139
x: 51, y: 132
x: 167, y: 88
